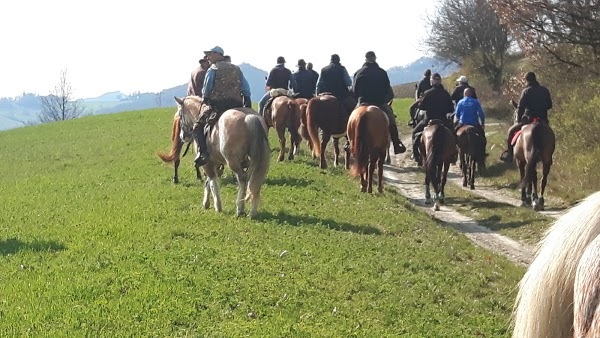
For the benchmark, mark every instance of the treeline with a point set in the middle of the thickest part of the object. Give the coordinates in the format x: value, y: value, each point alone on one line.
x: 497, y: 41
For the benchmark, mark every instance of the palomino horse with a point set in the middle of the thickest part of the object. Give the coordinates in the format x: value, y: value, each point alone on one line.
x: 285, y: 114
x: 535, y: 143
x: 239, y: 134
x: 326, y: 113
x: 369, y: 144
x: 180, y: 134
x: 559, y: 295
x: 471, y: 153
x: 439, y: 147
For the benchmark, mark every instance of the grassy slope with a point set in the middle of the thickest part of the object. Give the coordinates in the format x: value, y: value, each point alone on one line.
x: 97, y: 241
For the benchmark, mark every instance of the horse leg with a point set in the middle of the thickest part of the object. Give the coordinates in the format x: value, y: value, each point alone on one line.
x: 176, y: 175
x: 545, y: 172
x: 472, y: 168
x: 380, y: 173
x: 444, y: 178
x: 198, y: 173
x: 371, y: 171
x: 293, y: 146
x: 336, y: 151
x: 213, y: 185
x: 242, y: 179
x: 206, y: 197
x: 534, y: 195
x: 281, y: 136
x: 324, y: 141
x: 427, y: 191
x: 521, y: 165
x: 347, y: 154
x: 463, y: 168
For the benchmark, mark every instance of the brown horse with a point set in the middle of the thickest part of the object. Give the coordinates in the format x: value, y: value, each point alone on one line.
x: 369, y: 143
x: 303, y: 104
x: 534, y: 144
x: 285, y: 114
x: 238, y: 135
x: 181, y: 133
x: 326, y: 113
x: 439, y: 147
x: 471, y: 154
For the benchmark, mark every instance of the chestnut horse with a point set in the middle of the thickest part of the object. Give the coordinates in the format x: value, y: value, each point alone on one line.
x: 369, y: 144
x: 181, y: 133
x: 283, y: 114
x: 535, y: 144
x: 471, y: 153
x: 559, y: 295
x: 239, y: 134
x: 439, y: 146
x: 303, y: 104
x: 326, y: 113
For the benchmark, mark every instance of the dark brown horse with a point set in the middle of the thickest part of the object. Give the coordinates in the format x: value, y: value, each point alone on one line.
x: 326, y: 113
x: 285, y: 114
x: 439, y: 147
x: 369, y: 143
x: 471, y: 153
x: 181, y: 133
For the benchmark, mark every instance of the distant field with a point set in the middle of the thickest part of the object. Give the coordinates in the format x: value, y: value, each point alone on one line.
x: 97, y: 241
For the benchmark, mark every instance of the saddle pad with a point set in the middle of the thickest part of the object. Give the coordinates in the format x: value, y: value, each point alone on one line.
x: 515, y: 137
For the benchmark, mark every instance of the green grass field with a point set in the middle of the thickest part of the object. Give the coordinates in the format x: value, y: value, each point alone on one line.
x: 97, y: 241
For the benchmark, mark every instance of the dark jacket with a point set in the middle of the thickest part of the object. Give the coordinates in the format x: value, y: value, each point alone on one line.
x: 372, y: 84
x: 459, y: 92
x: 423, y: 86
x: 535, y: 101
x: 279, y: 77
x: 437, y: 103
x: 306, y: 83
x: 332, y: 81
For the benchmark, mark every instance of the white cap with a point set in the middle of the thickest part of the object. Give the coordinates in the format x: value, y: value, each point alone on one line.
x: 463, y: 79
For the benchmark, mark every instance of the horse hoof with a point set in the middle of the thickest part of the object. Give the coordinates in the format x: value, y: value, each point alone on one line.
x: 175, y: 180
x: 436, y: 207
x: 524, y: 204
x: 240, y: 214
x: 428, y: 200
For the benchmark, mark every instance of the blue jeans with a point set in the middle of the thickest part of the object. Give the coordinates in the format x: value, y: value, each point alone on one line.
x: 263, y: 102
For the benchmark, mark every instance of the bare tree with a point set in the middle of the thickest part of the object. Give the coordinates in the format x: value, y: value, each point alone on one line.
x: 462, y: 30
x: 566, y: 30
x: 59, y: 104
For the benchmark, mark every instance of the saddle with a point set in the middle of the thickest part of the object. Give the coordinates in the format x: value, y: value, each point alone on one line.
x: 276, y: 92
x: 527, y: 120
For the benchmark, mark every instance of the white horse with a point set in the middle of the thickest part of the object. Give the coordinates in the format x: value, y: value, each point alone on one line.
x: 559, y: 295
x: 238, y: 135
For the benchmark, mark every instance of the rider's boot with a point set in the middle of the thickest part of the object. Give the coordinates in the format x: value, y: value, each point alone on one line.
x: 200, y: 138
x: 399, y: 148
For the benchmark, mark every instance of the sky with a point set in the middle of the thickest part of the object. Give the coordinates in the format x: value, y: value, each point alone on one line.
x: 147, y: 46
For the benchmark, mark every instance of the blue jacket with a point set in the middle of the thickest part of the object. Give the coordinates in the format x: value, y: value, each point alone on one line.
x: 469, y: 112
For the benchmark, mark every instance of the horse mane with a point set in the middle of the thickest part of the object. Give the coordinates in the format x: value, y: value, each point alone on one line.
x: 544, y: 304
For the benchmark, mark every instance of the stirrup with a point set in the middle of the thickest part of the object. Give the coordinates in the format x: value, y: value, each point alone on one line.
x: 506, y: 157
x: 201, y: 160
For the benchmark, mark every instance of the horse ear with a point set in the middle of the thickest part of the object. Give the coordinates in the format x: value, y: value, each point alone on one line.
x: 179, y: 101
x: 514, y: 104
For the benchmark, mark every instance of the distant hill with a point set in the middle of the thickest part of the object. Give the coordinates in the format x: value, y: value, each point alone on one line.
x: 413, y: 72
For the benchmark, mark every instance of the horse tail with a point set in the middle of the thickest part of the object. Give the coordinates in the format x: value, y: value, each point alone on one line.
x: 260, y: 156
x: 537, y: 135
x: 434, y: 153
x: 476, y: 147
x: 177, y: 143
x: 544, y: 303
x: 294, y: 110
x: 311, y: 124
x: 359, y: 146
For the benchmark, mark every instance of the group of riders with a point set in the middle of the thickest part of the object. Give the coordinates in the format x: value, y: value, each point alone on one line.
x: 223, y: 86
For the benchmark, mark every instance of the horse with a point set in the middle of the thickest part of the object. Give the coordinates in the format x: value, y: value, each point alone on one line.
x: 559, y: 295
x: 326, y: 113
x: 369, y: 144
x: 239, y: 134
x: 471, y: 153
x: 285, y: 114
x: 439, y: 146
x: 181, y: 134
x: 535, y: 143
x: 303, y: 104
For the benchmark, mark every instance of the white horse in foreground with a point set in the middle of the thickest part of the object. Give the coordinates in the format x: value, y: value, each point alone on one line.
x: 559, y: 295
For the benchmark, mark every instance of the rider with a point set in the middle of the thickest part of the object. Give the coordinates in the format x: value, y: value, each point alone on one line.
x: 437, y: 104
x: 197, y: 78
x: 225, y: 87
x: 459, y: 90
x: 469, y: 112
x: 372, y: 86
x: 335, y: 79
x: 421, y: 87
x: 535, y: 102
x: 305, y: 81
x: 279, y: 77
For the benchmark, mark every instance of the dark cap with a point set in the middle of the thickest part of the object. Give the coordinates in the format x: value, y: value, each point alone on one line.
x: 280, y: 59
x: 370, y: 55
x: 436, y: 76
x: 301, y: 62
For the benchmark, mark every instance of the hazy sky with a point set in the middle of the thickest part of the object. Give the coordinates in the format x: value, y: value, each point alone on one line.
x: 133, y: 45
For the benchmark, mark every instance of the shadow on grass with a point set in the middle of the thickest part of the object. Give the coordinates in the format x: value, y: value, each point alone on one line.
x: 291, y: 181
x: 299, y: 220
x: 497, y: 169
x: 13, y: 245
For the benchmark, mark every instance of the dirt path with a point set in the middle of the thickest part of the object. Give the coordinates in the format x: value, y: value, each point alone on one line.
x: 404, y: 175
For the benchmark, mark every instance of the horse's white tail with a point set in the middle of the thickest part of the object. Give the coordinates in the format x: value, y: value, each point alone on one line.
x: 260, y: 156
x: 544, y: 304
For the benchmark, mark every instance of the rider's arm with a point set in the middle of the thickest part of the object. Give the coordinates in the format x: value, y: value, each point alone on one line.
x: 480, y: 113
x: 245, y: 85
x: 523, y: 101
x: 347, y: 79
x: 320, y: 84
x: 209, y: 81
